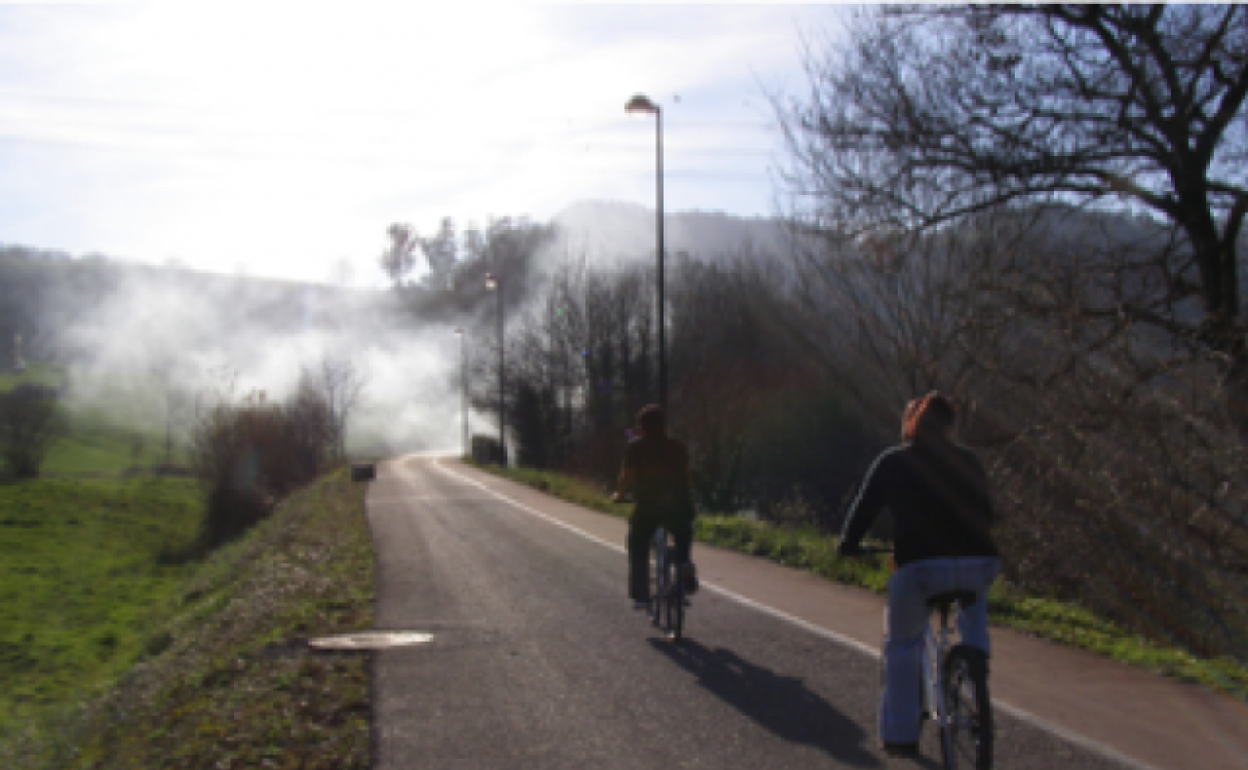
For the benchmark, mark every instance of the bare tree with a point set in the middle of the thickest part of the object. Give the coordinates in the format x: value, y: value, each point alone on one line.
x: 341, y: 381
x: 442, y: 253
x: 400, y: 256
x: 507, y: 247
x: 580, y: 362
x: 925, y: 115
x: 1098, y: 429
x: 764, y: 414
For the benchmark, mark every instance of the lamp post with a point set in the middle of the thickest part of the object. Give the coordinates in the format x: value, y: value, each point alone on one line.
x: 642, y: 104
x: 492, y: 284
x: 463, y: 389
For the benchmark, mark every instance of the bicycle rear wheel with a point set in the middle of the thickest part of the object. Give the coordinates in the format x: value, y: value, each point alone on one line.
x: 658, y: 547
x: 675, y: 601
x: 658, y: 589
x: 967, y: 742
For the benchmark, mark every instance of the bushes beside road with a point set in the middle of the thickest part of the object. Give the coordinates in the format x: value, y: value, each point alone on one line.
x: 249, y: 454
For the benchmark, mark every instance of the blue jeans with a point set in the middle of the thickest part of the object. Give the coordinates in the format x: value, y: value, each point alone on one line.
x: 641, y: 528
x: 906, y: 619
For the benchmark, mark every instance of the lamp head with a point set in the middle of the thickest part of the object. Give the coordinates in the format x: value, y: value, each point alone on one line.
x: 641, y: 103
x: 491, y: 282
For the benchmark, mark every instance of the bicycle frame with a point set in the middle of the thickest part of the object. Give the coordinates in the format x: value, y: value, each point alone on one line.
x: 937, y: 649
x: 936, y: 645
x: 936, y: 702
x: 668, y: 599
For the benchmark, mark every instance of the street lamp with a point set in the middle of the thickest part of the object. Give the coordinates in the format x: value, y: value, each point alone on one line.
x: 492, y: 284
x: 463, y: 388
x: 642, y: 104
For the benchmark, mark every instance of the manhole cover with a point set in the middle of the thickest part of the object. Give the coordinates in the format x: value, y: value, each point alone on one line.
x: 372, y: 640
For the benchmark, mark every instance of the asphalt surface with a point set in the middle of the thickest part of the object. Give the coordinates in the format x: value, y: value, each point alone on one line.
x: 537, y: 660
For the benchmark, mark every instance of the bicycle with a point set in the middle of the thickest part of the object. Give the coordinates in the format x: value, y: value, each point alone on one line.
x: 954, y: 693
x: 668, y: 597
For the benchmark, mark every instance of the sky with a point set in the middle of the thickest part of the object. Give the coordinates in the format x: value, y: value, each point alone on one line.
x: 281, y: 141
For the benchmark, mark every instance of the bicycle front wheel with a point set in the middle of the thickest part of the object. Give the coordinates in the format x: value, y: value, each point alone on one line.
x: 966, y: 740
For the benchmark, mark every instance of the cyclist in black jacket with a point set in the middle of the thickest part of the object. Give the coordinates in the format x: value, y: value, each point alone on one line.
x: 937, y: 493
x: 656, y: 470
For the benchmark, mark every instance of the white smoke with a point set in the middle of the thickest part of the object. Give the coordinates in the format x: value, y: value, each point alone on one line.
x: 197, y: 338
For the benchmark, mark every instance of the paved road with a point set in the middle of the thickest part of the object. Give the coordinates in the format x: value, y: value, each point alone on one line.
x: 537, y: 661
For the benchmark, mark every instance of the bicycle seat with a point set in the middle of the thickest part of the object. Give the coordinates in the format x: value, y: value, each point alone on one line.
x: 943, y: 601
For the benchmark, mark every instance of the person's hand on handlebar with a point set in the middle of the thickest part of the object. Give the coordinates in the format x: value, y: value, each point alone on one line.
x: 857, y: 550
x: 845, y: 548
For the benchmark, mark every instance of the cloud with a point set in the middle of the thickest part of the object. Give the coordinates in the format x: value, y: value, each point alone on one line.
x: 284, y: 142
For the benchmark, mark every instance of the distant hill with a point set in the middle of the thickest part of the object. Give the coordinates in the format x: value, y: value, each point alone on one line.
x: 44, y: 294
x: 607, y: 231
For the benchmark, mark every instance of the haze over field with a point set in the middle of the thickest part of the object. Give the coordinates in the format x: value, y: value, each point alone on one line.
x: 131, y: 334
x: 202, y: 338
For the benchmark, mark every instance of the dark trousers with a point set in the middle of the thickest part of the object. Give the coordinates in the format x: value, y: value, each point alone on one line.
x: 641, y: 527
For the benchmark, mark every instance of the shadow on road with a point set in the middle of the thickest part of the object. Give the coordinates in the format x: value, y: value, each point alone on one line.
x: 783, y: 705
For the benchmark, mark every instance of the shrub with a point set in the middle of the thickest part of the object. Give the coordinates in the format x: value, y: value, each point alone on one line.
x: 311, y: 434
x: 793, y: 512
x: 251, y: 453
x: 29, y: 421
x: 487, y: 451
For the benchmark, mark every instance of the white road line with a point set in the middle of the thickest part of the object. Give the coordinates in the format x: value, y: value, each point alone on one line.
x: 1082, y: 741
x: 527, y: 509
x: 416, y: 499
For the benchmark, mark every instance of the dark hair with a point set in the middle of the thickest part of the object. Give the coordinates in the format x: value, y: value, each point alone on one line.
x: 927, y: 416
x: 652, y: 421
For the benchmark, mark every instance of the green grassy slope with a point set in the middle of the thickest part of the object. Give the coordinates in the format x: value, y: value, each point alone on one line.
x: 82, y: 579
x: 118, y: 649
x: 35, y: 374
x: 93, y: 445
x: 93, y: 442
x: 223, y: 675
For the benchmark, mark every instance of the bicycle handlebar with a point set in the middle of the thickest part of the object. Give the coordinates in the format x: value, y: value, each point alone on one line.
x: 870, y: 550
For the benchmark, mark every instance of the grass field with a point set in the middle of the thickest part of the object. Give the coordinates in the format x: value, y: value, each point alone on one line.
x: 93, y: 441
x: 155, y: 665
x: 83, y: 577
x: 122, y: 646
x: 94, y: 445
x: 234, y: 684
x: 814, y: 552
x: 35, y: 374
